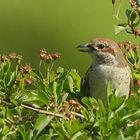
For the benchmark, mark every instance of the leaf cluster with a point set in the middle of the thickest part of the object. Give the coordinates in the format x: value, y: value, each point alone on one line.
x: 46, y: 103
x: 132, y: 14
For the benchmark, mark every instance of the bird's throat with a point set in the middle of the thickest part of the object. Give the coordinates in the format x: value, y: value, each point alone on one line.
x: 104, y: 60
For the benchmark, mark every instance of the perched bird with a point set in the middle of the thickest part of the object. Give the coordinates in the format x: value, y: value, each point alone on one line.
x: 108, y: 65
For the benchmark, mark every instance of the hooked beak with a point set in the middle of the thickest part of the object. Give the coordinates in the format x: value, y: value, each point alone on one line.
x: 86, y: 48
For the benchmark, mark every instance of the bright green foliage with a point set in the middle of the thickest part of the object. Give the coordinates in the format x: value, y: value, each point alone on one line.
x: 131, y: 25
x: 46, y: 104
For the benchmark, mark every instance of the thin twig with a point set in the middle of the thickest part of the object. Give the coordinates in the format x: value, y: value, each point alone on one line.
x: 78, y: 115
x: 129, y: 32
x: 34, y: 108
x: 43, y: 111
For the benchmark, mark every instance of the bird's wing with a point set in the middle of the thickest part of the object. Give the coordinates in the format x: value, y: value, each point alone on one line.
x: 85, y: 87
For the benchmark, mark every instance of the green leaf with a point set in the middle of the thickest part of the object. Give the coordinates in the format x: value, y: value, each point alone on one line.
x: 40, y: 85
x: 41, y: 123
x: 21, y: 129
x: 12, y: 79
x: 76, y: 78
x: 71, y: 129
x: 42, y: 96
x: 116, y: 102
x: 116, y: 136
x: 91, y: 103
x: 76, y: 135
x: 136, y: 76
x: 60, y: 130
x: 133, y: 16
x: 27, y: 135
x: 119, y: 29
x: 62, y: 99
x: 60, y: 70
x: 102, y: 107
x: 128, y: 12
x: 74, y: 126
x: 132, y: 116
x: 52, y: 76
x: 131, y: 54
x: 31, y: 96
x: 103, y: 125
x: 109, y: 91
x: 131, y: 130
x: 37, y: 74
x: 60, y: 87
x: 70, y: 83
x: 55, y: 84
x: 6, y: 66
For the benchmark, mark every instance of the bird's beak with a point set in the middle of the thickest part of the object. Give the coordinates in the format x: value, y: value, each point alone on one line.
x: 84, y: 48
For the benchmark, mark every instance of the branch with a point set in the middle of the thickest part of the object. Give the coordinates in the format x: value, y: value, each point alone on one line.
x: 130, y: 32
x: 37, y: 109
x: 43, y: 111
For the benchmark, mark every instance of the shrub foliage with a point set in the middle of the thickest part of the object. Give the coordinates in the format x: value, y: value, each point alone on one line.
x: 46, y: 104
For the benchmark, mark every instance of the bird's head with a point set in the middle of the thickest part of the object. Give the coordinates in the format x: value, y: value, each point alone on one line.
x: 104, y: 51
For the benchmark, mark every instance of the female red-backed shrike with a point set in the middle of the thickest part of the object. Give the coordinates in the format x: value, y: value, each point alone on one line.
x: 108, y: 65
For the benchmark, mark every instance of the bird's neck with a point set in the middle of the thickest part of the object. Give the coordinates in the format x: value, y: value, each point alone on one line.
x: 104, y: 60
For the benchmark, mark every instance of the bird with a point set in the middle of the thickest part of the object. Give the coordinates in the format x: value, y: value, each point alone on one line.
x: 108, y: 66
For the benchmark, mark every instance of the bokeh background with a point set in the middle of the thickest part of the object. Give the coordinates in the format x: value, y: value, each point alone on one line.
x: 59, y: 26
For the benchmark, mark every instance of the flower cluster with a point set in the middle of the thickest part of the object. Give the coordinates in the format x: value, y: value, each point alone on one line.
x: 26, y: 69
x: 127, y: 47
x: 10, y: 57
x: 71, y: 105
x: 46, y: 56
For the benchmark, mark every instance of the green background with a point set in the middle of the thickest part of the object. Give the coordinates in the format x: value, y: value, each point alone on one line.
x: 59, y: 26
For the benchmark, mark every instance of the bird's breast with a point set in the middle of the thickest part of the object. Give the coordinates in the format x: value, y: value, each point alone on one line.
x: 100, y: 75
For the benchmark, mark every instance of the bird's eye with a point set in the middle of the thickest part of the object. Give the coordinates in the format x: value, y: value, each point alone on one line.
x: 101, y: 46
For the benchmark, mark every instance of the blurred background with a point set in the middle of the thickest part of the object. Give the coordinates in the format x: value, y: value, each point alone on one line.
x: 59, y: 26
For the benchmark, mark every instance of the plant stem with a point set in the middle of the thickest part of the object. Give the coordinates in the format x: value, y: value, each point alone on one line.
x: 44, y: 112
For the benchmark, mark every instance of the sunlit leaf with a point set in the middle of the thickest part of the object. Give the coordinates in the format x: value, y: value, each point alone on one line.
x: 119, y: 29
x: 41, y: 123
